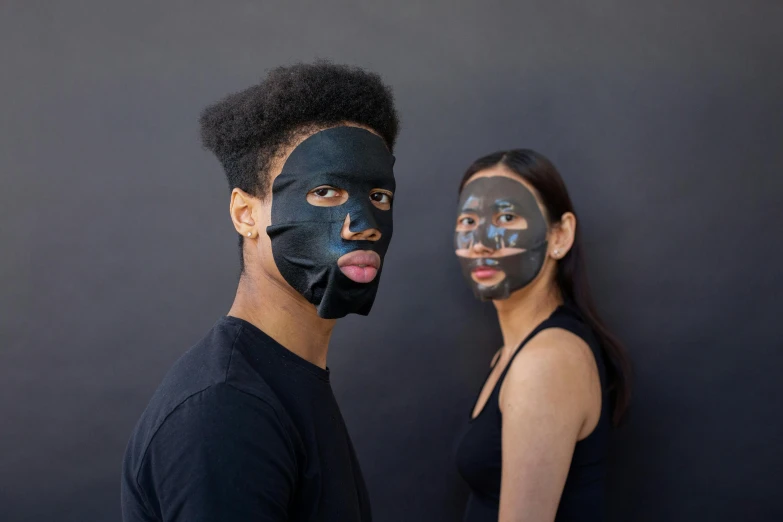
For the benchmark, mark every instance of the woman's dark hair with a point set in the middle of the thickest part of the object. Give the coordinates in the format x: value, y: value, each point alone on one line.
x: 539, y: 172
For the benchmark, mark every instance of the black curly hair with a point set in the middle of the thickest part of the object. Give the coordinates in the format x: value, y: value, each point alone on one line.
x: 247, y: 129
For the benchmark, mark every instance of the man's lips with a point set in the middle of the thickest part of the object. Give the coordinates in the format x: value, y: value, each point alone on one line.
x: 360, y: 266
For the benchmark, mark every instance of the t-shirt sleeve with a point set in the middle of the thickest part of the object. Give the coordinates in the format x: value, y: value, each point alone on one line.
x: 223, y: 455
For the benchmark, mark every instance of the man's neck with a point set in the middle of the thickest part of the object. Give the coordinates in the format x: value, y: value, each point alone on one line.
x: 284, y: 316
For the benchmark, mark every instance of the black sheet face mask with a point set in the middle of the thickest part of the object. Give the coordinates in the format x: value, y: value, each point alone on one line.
x: 306, y: 240
x: 485, y: 201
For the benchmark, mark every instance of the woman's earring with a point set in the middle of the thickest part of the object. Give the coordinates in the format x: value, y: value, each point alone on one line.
x: 556, y: 253
x: 249, y: 234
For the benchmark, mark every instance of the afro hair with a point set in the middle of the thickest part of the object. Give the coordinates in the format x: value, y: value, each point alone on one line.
x: 247, y: 129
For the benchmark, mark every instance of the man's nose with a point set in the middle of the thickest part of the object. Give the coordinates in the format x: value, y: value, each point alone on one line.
x: 365, y: 233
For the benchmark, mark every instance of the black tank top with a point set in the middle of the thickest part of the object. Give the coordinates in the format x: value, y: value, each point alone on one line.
x: 478, y: 451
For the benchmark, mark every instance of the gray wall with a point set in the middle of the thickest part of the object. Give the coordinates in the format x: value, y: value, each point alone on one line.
x: 118, y: 252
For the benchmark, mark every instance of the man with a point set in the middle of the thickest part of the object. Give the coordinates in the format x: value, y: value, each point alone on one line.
x: 245, y: 426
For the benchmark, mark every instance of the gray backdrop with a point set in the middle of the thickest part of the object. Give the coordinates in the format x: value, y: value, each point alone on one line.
x: 118, y: 252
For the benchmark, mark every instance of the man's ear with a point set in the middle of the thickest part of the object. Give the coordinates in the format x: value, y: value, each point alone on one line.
x: 242, y: 208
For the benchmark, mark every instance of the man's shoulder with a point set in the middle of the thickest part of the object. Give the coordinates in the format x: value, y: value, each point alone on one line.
x: 221, y: 431
x: 214, y: 360
x: 210, y: 383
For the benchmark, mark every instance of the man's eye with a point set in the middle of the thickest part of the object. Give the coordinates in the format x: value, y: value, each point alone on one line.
x: 325, y: 192
x: 467, y: 221
x: 507, y: 218
x: 381, y: 197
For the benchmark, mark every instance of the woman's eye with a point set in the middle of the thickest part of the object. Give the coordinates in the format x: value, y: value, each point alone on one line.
x: 511, y: 221
x: 381, y: 197
x: 467, y: 221
x: 325, y: 192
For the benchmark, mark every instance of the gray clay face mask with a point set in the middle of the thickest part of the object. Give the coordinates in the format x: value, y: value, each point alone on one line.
x: 306, y: 239
x: 502, y: 215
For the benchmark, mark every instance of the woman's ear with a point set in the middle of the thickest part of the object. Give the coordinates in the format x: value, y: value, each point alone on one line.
x: 562, y: 236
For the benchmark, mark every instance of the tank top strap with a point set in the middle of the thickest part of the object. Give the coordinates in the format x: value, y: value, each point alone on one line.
x: 566, y: 317
x: 572, y: 321
x: 547, y: 323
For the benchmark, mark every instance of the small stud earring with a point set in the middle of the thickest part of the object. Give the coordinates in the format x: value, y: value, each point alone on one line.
x: 556, y: 252
x: 248, y: 234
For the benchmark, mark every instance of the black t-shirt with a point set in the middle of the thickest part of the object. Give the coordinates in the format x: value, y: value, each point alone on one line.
x: 242, y: 429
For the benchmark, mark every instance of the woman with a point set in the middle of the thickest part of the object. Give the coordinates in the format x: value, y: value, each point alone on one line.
x: 536, y: 441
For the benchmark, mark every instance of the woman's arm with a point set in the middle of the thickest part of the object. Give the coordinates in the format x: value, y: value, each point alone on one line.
x: 550, y: 399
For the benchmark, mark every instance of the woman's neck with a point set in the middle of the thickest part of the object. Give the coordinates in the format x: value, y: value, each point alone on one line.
x: 524, y: 310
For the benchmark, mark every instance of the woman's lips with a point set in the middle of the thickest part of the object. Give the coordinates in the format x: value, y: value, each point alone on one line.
x: 483, y: 272
x: 360, y: 266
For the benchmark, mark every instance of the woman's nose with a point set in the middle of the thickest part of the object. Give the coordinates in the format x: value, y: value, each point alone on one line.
x: 369, y: 234
x: 481, y: 248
